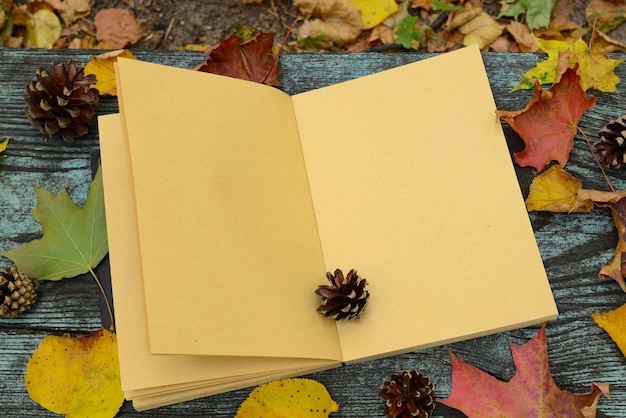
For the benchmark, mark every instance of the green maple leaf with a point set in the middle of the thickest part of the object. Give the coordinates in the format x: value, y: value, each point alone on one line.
x: 74, y: 239
x: 537, y: 11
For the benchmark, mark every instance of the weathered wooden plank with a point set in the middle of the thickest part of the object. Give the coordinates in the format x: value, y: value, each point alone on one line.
x: 573, y: 246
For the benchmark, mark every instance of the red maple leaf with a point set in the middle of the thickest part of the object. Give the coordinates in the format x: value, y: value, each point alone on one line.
x: 251, y: 60
x: 549, y: 122
x: 530, y: 393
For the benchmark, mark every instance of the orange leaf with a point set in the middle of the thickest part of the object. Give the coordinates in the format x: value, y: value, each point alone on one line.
x: 549, y: 122
x: 614, y: 323
x: 532, y: 392
x: 118, y: 27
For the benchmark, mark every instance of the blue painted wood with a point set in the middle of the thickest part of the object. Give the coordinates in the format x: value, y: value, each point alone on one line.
x: 573, y: 247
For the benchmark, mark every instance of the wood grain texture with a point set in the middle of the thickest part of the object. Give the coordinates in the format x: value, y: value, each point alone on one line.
x: 573, y: 247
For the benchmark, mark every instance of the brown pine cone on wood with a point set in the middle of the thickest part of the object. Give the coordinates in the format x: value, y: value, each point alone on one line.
x: 408, y: 394
x: 62, y: 102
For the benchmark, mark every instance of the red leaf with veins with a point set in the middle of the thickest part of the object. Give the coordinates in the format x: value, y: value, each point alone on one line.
x: 251, y: 60
x: 530, y: 393
x: 549, y: 121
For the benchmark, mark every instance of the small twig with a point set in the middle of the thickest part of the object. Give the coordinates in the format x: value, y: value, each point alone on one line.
x: 596, y: 159
x: 166, y: 34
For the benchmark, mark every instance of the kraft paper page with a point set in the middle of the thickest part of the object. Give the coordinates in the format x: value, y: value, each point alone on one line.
x: 224, y: 215
x: 145, y: 374
x: 413, y: 186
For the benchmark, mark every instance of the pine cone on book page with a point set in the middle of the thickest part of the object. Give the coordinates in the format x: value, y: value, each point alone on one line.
x: 62, y: 102
x: 345, y: 297
x: 17, y: 292
x: 408, y: 394
x: 612, y: 146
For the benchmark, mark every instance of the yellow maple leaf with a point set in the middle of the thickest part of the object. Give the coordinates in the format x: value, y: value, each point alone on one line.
x: 288, y: 398
x: 77, y: 377
x: 374, y: 12
x: 614, y: 323
x: 596, y: 69
x: 103, y: 67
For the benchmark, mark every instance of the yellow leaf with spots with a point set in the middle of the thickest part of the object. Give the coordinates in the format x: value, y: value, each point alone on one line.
x: 614, y: 323
x: 78, y: 377
x: 596, y: 68
x: 556, y: 191
x: 103, y: 67
x: 288, y: 398
x: 374, y: 12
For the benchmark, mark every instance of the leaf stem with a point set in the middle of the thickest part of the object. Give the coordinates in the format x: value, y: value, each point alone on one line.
x: 596, y: 159
x: 282, y: 46
x: 104, y: 295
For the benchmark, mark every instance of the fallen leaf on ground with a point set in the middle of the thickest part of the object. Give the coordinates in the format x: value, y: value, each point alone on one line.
x: 43, y: 29
x: 549, y: 122
x: 615, y: 268
x: 338, y: 20
x: 374, y: 12
x: 482, y: 30
x: 555, y: 190
x: 74, y: 239
x: 605, y: 15
x: 522, y: 36
x: 596, y: 69
x: 78, y: 377
x: 251, y: 60
x: 614, y: 323
x: 288, y: 398
x: 103, y: 67
x: 537, y: 11
x: 118, y: 27
x: 532, y: 392
x: 70, y: 10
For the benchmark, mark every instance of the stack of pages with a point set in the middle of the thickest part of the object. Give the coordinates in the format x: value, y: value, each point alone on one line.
x: 227, y: 201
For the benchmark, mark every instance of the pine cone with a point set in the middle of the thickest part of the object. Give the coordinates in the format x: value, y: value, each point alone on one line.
x: 408, y: 394
x: 61, y: 102
x: 345, y: 298
x: 17, y: 292
x: 612, y: 147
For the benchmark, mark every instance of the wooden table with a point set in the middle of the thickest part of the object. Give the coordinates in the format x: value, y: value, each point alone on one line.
x: 573, y: 246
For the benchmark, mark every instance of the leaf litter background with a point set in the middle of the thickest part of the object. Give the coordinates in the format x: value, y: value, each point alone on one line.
x: 207, y: 22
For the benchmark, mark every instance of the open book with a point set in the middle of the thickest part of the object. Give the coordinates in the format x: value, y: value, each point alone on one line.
x: 227, y: 202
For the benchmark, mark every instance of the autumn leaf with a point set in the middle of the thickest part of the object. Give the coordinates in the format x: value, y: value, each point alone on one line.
x: 3, y: 145
x: 118, y: 27
x: 482, y: 30
x: 549, y: 122
x: 74, y: 239
x: 338, y: 20
x: 288, y: 398
x: 615, y: 268
x: 555, y: 190
x: 70, y: 10
x: 596, y: 69
x: 251, y: 60
x: 614, y: 323
x: 374, y: 12
x: 532, y: 392
x: 43, y: 29
x: 606, y: 15
x: 537, y: 11
x: 103, y: 67
x: 78, y: 377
